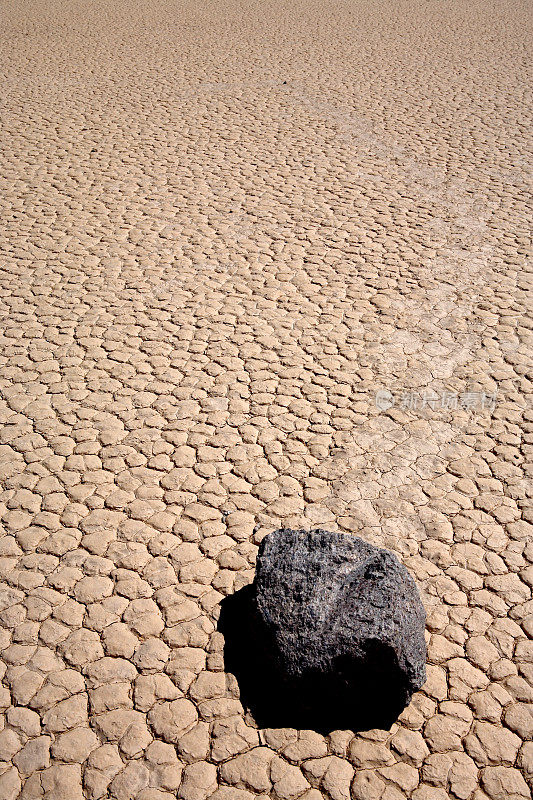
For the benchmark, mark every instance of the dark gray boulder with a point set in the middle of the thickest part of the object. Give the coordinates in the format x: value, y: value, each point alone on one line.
x: 339, y: 629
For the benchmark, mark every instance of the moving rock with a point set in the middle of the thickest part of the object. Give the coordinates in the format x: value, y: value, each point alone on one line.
x: 336, y: 631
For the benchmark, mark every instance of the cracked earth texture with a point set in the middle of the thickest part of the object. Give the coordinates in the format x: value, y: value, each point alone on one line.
x: 226, y: 226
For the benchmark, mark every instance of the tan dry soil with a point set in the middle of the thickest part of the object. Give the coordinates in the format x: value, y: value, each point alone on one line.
x: 225, y: 226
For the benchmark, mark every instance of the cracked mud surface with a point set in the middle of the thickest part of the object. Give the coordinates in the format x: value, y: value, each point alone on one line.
x: 226, y: 226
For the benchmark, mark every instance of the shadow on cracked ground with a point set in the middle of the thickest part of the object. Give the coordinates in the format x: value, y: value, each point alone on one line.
x: 318, y: 703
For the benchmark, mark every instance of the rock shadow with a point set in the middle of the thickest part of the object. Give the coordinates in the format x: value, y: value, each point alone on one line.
x: 320, y: 703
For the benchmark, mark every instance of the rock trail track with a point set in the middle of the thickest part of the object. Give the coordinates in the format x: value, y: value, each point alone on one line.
x: 225, y: 227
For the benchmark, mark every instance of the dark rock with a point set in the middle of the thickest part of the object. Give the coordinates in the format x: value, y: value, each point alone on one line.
x: 334, y: 630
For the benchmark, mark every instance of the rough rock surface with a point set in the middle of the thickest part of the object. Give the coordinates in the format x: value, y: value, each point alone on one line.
x: 342, y: 619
